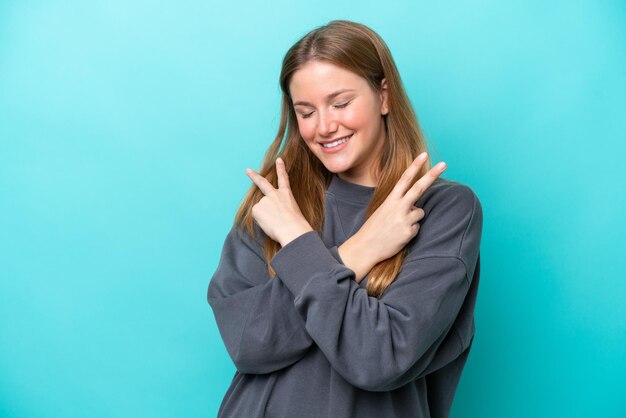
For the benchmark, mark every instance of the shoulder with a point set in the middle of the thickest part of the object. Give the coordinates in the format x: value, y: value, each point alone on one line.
x: 238, y: 239
x: 452, y: 223
x: 457, y: 199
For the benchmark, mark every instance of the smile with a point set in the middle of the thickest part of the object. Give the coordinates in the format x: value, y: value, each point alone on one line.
x: 338, y: 142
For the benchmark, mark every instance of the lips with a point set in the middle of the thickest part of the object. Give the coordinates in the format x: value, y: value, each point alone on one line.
x: 337, y: 148
x: 334, y: 140
x: 347, y: 137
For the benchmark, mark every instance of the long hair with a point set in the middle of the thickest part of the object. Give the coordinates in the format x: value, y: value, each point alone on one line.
x: 357, y: 48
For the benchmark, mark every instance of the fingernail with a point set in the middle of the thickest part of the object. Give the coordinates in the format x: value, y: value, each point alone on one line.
x: 279, y: 160
x: 248, y: 170
x: 442, y: 166
x: 423, y: 156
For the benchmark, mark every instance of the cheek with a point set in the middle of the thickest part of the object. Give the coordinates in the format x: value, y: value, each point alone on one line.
x: 307, y: 130
x: 355, y: 118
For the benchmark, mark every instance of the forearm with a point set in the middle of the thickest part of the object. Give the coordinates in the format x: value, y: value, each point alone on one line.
x: 376, y: 344
x: 255, y: 314
x: 354, y: 255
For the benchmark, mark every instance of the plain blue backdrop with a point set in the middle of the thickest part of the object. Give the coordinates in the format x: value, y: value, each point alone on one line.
x: 125, y: 130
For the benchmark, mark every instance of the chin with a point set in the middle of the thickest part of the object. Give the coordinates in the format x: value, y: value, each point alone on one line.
x: 336, y: 168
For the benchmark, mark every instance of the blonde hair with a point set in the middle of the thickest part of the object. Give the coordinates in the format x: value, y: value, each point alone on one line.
x: 359, y: 49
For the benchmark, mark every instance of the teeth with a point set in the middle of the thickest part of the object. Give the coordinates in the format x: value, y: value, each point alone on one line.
x: 334, y: 144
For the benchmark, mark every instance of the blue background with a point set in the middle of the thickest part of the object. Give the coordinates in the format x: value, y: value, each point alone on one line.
x: 125, y: 130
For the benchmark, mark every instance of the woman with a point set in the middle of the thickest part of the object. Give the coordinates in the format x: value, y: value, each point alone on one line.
x: 328, y: 300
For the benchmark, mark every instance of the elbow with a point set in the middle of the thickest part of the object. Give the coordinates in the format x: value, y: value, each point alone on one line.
x: 261, y: 361
x: 371, y: 383
x: 254, y: 366
x: 376, y: 378
x: 247, y: 362
x: 383, y: 376
x: 246, y: 366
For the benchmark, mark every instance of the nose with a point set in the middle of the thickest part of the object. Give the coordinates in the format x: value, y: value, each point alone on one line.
x: 327, y: 124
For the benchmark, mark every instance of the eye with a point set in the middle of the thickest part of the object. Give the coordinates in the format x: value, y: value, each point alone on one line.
x: 339, y: 106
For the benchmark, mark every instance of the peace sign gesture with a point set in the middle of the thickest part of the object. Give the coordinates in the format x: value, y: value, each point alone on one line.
x: 278, y: 213
x: 396, y: 221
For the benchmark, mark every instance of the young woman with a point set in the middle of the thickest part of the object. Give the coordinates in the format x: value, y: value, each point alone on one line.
x: 328, y: 300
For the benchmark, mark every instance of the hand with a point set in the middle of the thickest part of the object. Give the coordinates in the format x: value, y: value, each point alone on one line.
x: 278, y: 213
x: 395, y: 221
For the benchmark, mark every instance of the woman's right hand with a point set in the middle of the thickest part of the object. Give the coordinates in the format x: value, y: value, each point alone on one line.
x: 395, y: 221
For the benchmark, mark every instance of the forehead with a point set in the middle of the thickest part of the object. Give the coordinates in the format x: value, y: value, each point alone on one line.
x: 318, y: 78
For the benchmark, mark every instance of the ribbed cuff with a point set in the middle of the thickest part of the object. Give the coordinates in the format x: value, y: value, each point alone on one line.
x: 301, y: 259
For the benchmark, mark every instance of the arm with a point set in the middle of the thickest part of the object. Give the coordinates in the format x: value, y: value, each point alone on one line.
x: 352, y: 254
x: 255, y: 315
x: 382, y: 344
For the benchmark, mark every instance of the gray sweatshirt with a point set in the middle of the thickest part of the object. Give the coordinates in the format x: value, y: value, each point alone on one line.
x: 310, y: 342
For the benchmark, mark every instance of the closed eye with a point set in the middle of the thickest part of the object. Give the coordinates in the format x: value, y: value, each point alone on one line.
x: 339, y: 106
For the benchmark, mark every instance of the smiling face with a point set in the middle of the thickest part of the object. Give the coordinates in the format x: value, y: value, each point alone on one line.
x: 332, y: 103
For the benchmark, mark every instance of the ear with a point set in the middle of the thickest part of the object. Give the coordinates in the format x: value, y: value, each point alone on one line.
x: 384, y: 106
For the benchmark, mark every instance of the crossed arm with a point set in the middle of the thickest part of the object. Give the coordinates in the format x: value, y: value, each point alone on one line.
x: 376, y: 344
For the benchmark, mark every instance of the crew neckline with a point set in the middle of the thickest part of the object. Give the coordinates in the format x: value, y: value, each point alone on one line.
x: 351, y: 191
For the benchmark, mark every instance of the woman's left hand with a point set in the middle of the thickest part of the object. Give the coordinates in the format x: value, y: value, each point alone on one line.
x: 278, y: 213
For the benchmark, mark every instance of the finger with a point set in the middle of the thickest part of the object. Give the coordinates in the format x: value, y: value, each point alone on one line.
x: 424, y: 183
x: 281, y: 171
x: 416, y: 214
x: 407, y: 178
x: 265, y: 186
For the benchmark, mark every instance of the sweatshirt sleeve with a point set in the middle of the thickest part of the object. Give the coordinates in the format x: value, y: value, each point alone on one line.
x: 380, y: 344
x: 255, y: 315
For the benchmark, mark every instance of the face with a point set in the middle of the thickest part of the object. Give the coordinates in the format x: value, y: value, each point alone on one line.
x: 333, y: 103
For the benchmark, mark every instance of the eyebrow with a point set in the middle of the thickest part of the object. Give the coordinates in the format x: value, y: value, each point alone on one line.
x: 328, y: 97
